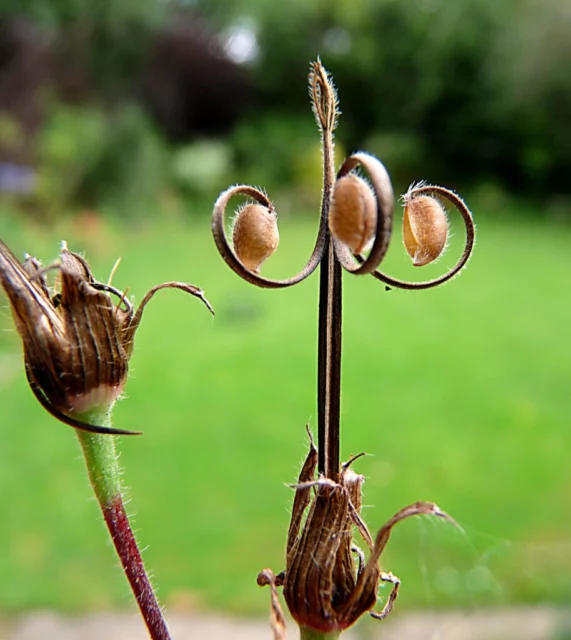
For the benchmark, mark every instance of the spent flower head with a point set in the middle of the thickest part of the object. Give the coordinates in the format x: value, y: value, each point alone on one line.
x: 77, y: 337
x: 328, y: 583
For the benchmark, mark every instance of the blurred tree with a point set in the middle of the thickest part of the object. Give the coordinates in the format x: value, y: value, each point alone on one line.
x: 476, y: 90
x: 108, y: 38
x: 119, y: 65
x: 483, y: 86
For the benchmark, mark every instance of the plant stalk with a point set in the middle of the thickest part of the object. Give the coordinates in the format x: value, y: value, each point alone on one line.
x: 104, y: 473
x: 329, y: 338
x: 329, y: 363
x: 305, y: 633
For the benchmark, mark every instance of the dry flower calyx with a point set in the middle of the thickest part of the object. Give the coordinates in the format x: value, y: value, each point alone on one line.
x: 328, y: 582
x: 77, y: 340
x: 425, y: 228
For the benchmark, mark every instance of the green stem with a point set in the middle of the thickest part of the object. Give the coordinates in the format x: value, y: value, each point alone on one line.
x: 105, y: 476
x: 305, y: 633
x: 101, y: 459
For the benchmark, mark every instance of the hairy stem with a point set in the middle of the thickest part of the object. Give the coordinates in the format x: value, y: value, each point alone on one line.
x: 104, y: 473
x: 329, y: 349
x: 305, y: 633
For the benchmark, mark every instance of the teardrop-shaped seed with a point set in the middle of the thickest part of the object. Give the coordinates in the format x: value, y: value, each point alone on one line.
x: 255, y: 235
x: 425, y: 229
x: 353, y: 214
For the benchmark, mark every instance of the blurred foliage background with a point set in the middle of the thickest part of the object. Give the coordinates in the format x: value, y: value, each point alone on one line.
x: 119, y: 125
x: 127, y: 101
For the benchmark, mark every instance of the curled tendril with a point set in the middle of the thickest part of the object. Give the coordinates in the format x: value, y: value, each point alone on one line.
x: 381, y: 184
x: 230, y: 256
x: 325, y: 108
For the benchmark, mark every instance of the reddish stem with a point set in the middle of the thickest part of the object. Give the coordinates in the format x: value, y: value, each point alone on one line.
x: 128, y: 552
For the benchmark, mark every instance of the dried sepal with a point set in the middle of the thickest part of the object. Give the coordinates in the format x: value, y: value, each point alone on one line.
x: 131, y: 326
x: 302, y: 497
x: 77, y: 340
x: 368, y: 578
x: 353, y: 213
x: 47, y: 404
x: 277, y: 618
x: 255, y: 235
x: 309, y: 587
x: 388, y: 606
x: 425, y: 227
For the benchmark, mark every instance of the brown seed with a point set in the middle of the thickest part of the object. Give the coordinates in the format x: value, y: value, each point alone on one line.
x: 353, y: 215
x: 255, y: 235
x: 425, y: 229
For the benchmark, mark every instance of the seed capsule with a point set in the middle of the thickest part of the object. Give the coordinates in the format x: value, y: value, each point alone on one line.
x: 255, y: 235
x: 425, y: 229
x: 353, y: 214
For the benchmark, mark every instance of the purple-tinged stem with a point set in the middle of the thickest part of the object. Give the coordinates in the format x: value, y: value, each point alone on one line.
x: 103, y: 469
x: 128, y: 551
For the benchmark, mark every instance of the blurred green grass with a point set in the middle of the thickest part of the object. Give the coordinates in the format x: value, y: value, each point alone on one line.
x: 461, y: 395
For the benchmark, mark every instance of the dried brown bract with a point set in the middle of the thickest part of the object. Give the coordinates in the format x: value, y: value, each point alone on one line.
x: 328, y: 583
x: 77, y: 340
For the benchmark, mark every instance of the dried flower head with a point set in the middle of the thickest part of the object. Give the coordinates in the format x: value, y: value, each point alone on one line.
x: 255, y: 234
x: 328, y: 582
x: 425, y: 228
x: 77, y: 341
x: 353, y: 213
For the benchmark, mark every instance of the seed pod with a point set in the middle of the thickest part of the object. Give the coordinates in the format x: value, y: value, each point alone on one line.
x: 255, y: 235
x: 424, y: 229
x: 353, y: 214
x: 77, y: 342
